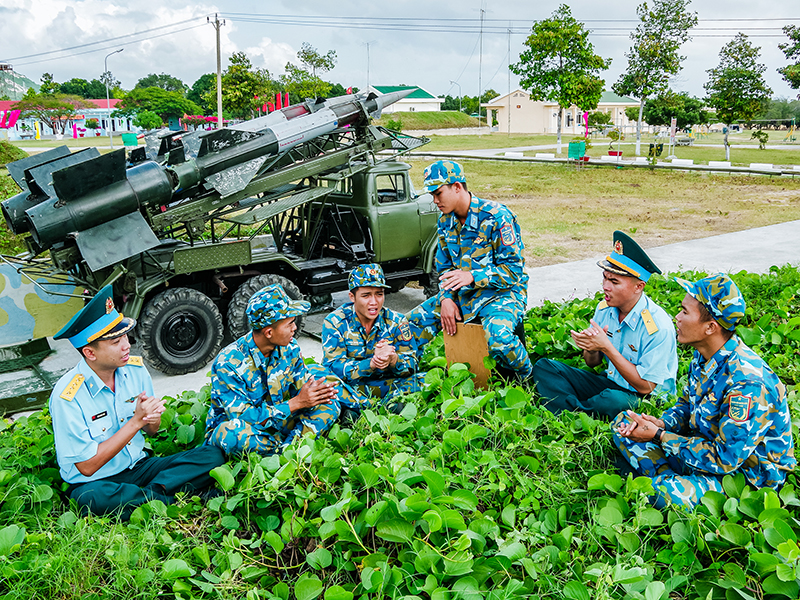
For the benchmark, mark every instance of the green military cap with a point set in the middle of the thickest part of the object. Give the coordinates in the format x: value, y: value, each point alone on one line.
x: 271, y: 304
x: 628, y: 258
x: 370, y: 275
x: 719, y: 294
x: 98, y: 320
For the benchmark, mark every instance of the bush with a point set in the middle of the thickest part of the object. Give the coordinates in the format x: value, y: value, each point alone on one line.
x: 92, y: 124
x: 395, y: 125
x: 9, y: 153
x: 762, y: 137
x: 147, y: 119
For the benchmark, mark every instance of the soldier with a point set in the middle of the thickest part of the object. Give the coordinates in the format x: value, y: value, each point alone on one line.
x: 481, y: 270
x: 99, y: 411
x: 263, y: 395
x: 367, y: 345
x: 631, y: 331
x: 733, y: 415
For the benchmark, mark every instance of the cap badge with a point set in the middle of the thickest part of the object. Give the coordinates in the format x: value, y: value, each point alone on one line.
x: 109, y: 306
x: 618, y: 247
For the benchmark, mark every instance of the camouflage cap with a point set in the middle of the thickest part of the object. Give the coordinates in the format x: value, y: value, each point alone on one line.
x: 370, y: 275
x: 442, y: 172
x: 628, y: 258
x: 719, y: 294
x: 271, y: 304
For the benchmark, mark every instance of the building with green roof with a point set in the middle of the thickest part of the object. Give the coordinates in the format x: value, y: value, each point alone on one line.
x: 420, y: 100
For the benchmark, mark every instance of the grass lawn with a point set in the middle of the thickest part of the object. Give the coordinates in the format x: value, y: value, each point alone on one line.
x: 701, y: 155
x: 446, y: 119
x: 489, y: 140
x: 568, y: 215
x: 81, y: 142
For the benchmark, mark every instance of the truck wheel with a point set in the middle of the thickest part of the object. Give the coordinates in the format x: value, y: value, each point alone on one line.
x: 180, y: 330
x: 431, y: 286
x: 237, y: 310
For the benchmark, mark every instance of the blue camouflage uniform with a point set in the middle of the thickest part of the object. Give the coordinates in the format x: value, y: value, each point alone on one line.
x: 349, y: 348
x: 86, y: 413
x: 490, y: 246
x: 645, y: 338
x: 732, y: 416
x: 250, y: 392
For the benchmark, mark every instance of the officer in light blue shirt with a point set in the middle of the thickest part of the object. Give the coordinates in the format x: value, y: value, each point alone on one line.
x: 631, y: 332
x: 100, y: 409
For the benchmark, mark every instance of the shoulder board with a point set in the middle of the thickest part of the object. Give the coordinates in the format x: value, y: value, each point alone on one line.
x: 72, y: 387
x: 135, y: 361
x: 649, y: 323
x: 603, y: 304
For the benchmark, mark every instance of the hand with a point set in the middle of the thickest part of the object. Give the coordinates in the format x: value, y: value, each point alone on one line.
x: 385, y: 356
x: 148, y: 410
x: 640, y: 428
x: 450, y: 314
x: 593, y: 338
x: 313, y: 393
x: 454, y: 280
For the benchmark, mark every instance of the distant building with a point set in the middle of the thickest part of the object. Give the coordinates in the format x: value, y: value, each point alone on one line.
x: 529, y: 116
x: 419, y: 100
x: 77, y: 125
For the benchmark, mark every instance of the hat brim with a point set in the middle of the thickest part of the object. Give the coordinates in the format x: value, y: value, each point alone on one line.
x: 120, y: 329
x: 607, y: 266
x: 374, y: 284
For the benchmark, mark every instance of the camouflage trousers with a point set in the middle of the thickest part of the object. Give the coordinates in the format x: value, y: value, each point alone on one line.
x: 499, y: 320
x: 388, y: 389
x: 673, y: 481
x: 236, y: 436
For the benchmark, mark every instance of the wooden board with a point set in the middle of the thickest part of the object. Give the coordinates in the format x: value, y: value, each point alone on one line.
x: 469, y: 346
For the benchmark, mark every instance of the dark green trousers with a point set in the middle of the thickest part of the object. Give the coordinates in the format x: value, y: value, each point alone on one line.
x: 562, y: 387
x: 153, y: 478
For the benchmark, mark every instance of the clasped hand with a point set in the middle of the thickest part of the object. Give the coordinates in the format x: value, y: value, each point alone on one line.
x: 640, y: 428
x: 385, y: 356
x: 313, y: 393
x: 149, y: 409
x: 592, y: 339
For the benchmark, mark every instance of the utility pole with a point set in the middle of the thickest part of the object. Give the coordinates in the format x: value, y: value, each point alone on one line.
x: 217, y: 24
x: 508, y: 128
x: 480, y: 67
x: 368, y: 45
x: 108, y: 100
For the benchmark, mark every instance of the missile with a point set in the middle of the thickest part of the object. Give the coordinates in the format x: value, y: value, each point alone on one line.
x: 96, y: 197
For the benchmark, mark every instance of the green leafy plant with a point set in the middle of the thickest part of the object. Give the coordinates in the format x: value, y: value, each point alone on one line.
x: 762, y: 137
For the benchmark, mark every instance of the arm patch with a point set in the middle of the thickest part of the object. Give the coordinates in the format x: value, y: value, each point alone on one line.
x: 507, y: 235
x: 739, y: 407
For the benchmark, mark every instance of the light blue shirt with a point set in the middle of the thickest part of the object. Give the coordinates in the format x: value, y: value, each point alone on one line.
x: 654, y: 355
x: 94, y: 414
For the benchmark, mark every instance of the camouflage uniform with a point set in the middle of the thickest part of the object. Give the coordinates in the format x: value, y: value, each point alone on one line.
x: 489, y: 245
x: 349, y: 348
x: 250, y: 392
x: 733, y: 416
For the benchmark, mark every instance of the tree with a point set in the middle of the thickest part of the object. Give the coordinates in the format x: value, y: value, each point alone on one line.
x: 560, y: 64
x: 147, y: 119
x: 49, y: 87
x: 85, y: 89
x: 337, y: 89
x: 736, y: 87
x: 313, y: 61
x: 243, y: 87
x: 163, y: 81
x: 654, y: 57
x: 165, y: 104
x: 200, y: 90
x: 302, y: 84
x: 791, y: 73
x: 599, y: 118
x: 687, y: 110
x: 781, y: 111
x: 54, y: 109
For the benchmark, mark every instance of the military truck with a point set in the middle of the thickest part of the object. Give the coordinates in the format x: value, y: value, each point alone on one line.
x: 189, y: 226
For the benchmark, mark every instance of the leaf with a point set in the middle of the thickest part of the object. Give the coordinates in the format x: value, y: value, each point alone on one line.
x: 175, y: 568
x: 512, y: 550
x: 434, y: 520
x: 651, y: 517
x: 308, y: 588
x: 735, y: 534
x: 185, y: 434
x: 734, y: 485
x: 458, y: 563
x: 337, y: 592
x: 274, y: 540
x: 395, y: 530
x: 655, y: 590
x: 435, y: 481
x: 575, y: 590
x: 465, y: 500
x: 779, y: 533
x: 42, y: 493
x: 11, y: 538
x: 224, y: 477
x: 785, y: 572
x: 508, y: 516
x: 320, y: 558
x: 467, y: 589
x: 374, y: 512
x: 773, y: 585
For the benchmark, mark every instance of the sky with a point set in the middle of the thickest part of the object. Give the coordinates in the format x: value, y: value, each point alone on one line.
x: 412, y: 42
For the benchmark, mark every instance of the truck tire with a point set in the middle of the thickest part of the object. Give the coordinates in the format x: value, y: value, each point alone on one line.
x: 237, y: 310
x: 180, y: 330
x: 431, y: 286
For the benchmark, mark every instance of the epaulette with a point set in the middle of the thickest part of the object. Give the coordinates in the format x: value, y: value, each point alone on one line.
x: 603, y: 304
x: 72, y: 387
x: 135, y: 361
x: 649, y: 323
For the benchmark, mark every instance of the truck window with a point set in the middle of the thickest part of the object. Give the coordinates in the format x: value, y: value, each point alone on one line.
x: 391, y: 188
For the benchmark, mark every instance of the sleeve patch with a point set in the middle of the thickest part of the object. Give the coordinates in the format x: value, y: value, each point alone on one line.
x: 649, y: 323
x: 405, y: 331
x: 739, y: 407
x: 72, y: 388
x: 507, y: 235
x: 135, y: 361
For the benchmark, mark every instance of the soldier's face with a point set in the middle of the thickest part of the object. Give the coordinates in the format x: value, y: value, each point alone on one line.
x: 619, y: 290
x: 367, y: 302
x: 108, y: 354
x: 688, y: 322
x: 282, y: 332
x: 446, y: 198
